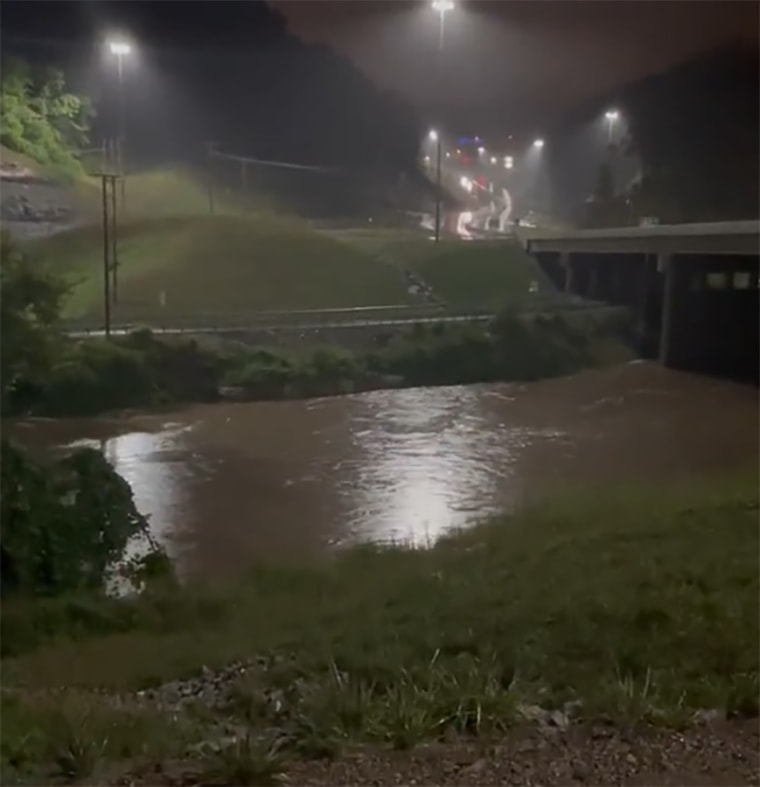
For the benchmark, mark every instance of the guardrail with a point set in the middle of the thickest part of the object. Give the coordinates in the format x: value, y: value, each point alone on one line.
x: 335, y: 319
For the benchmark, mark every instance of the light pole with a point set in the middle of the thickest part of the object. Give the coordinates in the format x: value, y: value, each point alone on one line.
x: 120, y: 49
x: 612, y: 116
x: 442, y: 7
x: 435, y: 137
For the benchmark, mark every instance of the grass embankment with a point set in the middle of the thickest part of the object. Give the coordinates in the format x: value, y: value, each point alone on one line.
x: 484, y: 275
x: 466, y: 275
x: 636, y: 605
x: 217, y: 268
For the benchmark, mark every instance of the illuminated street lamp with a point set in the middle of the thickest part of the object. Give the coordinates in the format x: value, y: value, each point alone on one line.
x: 538, y: 143
x: 493, y: 159
x: 442, y: 7
x: 612, y: 116
x: 481, y: 151
x: 509, y: 162
x: 120, y: 49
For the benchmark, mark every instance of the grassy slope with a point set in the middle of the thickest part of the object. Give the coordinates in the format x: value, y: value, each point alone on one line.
x: 479, y: 274
x: 151, y: 194
x: 642, y: 605
x: 223, y: 266
x: 465, y: 274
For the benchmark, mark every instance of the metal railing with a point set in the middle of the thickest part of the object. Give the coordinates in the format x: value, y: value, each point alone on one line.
x: 329, y: 319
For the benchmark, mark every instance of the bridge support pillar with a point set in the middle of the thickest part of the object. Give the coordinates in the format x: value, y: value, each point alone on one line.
x: 667, y: 268
x: 593, y: 282
x: 566, y: 264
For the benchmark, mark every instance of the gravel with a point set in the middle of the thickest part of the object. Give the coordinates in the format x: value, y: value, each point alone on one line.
x: 719, y: 753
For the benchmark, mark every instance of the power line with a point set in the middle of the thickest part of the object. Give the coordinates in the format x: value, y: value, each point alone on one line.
x: 269, y: 163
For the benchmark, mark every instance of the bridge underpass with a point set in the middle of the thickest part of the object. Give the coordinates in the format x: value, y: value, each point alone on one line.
x: 693, y: 289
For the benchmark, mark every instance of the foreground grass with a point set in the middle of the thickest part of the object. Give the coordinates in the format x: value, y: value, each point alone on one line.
x: 639, y: 605
x: 217, y: 265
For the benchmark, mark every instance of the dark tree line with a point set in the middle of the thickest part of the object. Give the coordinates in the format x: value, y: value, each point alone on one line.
x: 696, y: 130
x: 224, y: 72
x: 689, y: 152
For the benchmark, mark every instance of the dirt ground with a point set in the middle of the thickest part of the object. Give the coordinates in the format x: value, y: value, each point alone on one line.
x: 722, y: 754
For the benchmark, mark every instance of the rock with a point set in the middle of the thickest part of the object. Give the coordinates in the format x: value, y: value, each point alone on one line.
x: 572, y: 709
x: 476, y: 767
x: 532, y: 713
x: 709, y: 716
x: 232, y: 393
x: 558, y: 719
x: 631, y: 759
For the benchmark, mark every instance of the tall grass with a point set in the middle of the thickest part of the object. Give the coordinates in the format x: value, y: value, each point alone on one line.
x: 626, y: 605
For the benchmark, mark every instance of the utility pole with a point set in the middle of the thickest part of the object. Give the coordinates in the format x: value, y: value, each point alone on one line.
x: 114, y: 247
x: 104, y: 179
x: 209, y: 176
x: 438, y: 186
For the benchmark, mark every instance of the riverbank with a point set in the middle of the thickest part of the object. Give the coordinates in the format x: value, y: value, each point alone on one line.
x: 629, y: 608
x: 142, y: 370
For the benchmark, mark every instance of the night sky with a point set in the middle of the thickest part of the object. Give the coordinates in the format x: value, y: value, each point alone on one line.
x: 506, y: 66
x: 540, y: 57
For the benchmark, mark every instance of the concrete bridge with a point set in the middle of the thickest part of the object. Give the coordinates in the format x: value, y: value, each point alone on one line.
x: 693, y: 288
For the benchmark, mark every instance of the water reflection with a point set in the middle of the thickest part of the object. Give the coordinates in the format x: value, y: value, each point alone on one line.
x: 226, y: 484
x: 429, y: 460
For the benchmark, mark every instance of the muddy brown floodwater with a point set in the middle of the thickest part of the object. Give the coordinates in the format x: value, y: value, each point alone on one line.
x: 226, y: 484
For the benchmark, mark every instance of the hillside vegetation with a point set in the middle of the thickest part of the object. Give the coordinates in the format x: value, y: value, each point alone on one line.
x: 223, y: 266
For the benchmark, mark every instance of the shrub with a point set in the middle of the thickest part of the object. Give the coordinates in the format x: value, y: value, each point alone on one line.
x: 63, y: 524
x: 96, y: 376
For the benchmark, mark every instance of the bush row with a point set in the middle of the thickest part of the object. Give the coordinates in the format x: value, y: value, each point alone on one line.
x: 141, y: 370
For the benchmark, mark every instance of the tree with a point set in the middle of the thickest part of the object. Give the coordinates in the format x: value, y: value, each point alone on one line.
x: 40, y: 118
x: 30, y: 302
x: 696, y: 131
x: 604, y: 209
x: 66, y: 524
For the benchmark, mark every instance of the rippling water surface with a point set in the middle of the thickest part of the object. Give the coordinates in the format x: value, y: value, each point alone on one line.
x: 224, y: 484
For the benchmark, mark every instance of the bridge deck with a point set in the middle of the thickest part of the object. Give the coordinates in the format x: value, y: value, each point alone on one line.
x: 726, y: 237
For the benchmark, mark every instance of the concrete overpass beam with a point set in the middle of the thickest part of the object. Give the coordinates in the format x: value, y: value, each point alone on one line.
x: 666, y: 267
x: 566, y: 264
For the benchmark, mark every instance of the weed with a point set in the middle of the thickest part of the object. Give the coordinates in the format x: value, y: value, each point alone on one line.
x: 246, y: 762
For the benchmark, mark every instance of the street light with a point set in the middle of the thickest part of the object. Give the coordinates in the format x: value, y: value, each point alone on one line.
x: 509, y: 162
x: 481, y: 151
x: 538, y: 143
x: 442, y: 7
x: 612, y: 116
x: 493, y: 159
x: 434, y: 136
x: 120, y: 49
